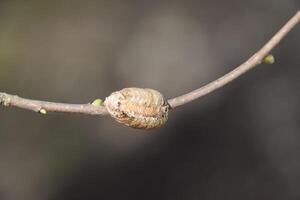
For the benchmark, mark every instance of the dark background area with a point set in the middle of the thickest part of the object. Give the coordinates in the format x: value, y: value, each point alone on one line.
x: 241, y: 142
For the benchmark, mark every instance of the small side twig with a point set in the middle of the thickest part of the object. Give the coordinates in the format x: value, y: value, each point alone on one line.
x: 45, y: 106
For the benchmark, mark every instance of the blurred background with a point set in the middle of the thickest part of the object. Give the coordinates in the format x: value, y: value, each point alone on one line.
x: 241, y: 142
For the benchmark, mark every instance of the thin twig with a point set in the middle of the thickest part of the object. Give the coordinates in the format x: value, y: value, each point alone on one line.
x: 44, y: 106
x: 38, y: 106
x: 249, y: 64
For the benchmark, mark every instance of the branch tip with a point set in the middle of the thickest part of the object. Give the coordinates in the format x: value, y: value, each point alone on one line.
x: 261, y: 56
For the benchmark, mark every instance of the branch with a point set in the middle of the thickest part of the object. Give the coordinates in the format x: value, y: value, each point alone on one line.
x: 249, y: 64
x: 44, y: 106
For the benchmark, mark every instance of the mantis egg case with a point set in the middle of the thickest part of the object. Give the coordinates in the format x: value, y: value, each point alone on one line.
x: 138, y: 107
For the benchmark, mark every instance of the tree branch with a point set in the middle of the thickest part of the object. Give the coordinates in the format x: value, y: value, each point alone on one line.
x: 44, y: 106
x: 38, y: 106
x: 249, y: 64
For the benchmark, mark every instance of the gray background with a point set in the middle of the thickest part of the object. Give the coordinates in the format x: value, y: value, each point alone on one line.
x: 241, y: 142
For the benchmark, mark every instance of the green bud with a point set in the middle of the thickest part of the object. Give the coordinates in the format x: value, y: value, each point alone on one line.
x: 97, y: 102
x: 269, y: 59
x: 43, y: 111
